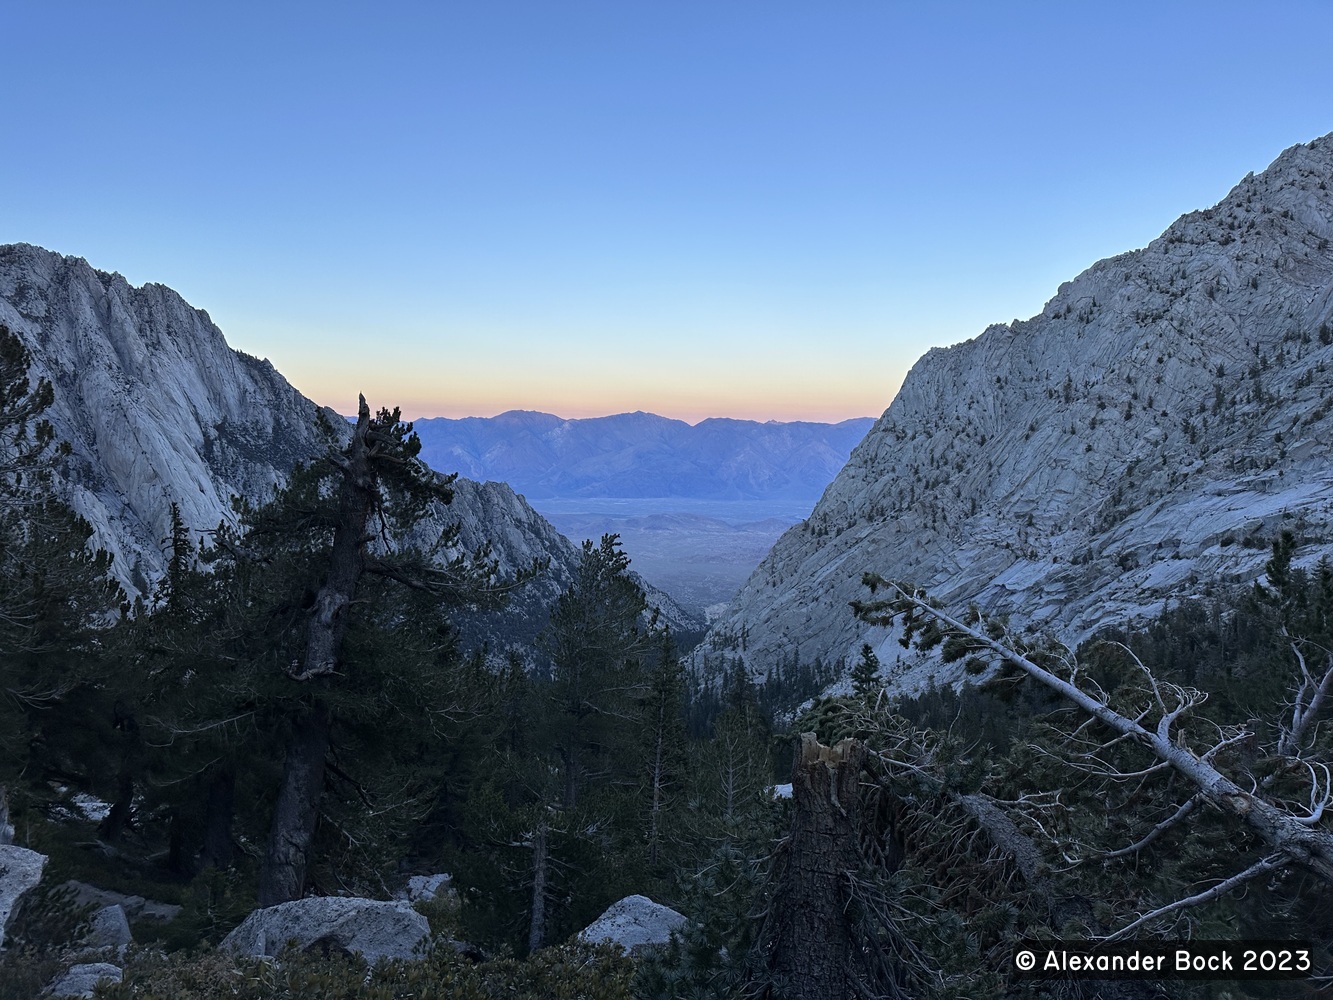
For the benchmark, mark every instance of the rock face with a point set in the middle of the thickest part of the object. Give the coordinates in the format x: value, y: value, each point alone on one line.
x: 635, y: 923
x: 134, y: 907
x: 372, y: 928
x: 20, y: 871
x: 155, y: 404
x: 158, y: 409
x: 1141, y: 439
x: 80, y: 979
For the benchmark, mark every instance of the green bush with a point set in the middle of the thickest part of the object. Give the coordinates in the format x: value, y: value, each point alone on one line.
x: 25, y: 971
x: 211, y: 905
x: 568, y: 972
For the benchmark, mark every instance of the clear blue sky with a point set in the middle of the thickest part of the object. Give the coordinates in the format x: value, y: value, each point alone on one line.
x: 760, y: 209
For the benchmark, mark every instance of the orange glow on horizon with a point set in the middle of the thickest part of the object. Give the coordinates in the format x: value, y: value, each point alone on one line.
x: 769, y: 388
x: 418, y: 409
x: 817, y: 403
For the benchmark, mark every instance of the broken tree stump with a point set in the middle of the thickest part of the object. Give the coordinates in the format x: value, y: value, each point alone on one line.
x: 806, y: 946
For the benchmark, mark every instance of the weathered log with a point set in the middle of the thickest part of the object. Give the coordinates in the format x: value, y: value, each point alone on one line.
x: 1296, y: 837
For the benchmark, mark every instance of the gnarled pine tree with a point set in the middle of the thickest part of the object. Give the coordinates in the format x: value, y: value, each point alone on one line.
x: 328, y: 540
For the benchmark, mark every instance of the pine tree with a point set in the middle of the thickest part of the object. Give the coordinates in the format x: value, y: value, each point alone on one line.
x: 662, y: 721
x: 319, y: 660
x: 866, y: 683
x: 599, y: 633
x: 56, y: 600
x: 587, y: 751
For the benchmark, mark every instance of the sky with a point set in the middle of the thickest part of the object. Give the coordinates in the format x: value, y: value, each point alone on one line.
x: 765, y: 210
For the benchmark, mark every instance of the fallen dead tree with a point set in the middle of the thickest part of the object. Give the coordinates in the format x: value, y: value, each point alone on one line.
x: 1293, y: 836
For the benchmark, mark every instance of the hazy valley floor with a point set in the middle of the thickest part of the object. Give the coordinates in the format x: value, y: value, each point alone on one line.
x: 698, y: 551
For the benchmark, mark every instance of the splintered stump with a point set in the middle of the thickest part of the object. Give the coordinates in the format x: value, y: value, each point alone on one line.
x: 806, y: 948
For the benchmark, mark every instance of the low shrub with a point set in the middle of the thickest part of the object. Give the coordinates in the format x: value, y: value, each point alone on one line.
x: 567, y: 972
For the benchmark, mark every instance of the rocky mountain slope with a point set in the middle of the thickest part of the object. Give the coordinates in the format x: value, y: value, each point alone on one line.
x: 644, y: 455
x: 158, y: 409
x: 1140, y: 440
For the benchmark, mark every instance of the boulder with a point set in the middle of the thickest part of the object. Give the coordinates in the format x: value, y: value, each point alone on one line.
x: 635, y: 923
x: 20, y: 871
x: 80, y: 979
x: 429, y: 887
x: 135, y: 907
x: 108, y: 928
x: 370, y: 927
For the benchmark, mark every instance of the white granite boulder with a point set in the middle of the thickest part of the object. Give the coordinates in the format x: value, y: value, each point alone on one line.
x: 20, y: 871
x: 108, y: 928
x: 635, y: 923
x: 370, y: 927
x: 80, y: 979
x: 430, y: 887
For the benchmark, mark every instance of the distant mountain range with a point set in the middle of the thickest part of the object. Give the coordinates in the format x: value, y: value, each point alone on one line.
x: 643, y: 455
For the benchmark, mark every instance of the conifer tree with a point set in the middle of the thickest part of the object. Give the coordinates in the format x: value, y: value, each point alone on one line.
x: 589, y: 738
x: 662, y: 716
x: 599, y: 632
x: 866, y: 683
x: 56, y: 597
x: 328, y: 660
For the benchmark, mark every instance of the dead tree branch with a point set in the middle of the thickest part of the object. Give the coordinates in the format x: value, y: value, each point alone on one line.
x: 1289, y: 836
x: 1207, y: 896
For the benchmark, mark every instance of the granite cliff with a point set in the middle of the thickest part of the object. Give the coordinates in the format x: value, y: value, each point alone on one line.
x: 1139, y: 441
x: 158, y: 409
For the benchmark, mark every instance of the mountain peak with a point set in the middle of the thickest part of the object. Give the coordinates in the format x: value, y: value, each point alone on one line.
x: 159, y: 410
x: 1137, y: 441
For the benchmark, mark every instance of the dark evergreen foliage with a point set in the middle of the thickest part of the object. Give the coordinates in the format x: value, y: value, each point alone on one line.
x: 58, y: 714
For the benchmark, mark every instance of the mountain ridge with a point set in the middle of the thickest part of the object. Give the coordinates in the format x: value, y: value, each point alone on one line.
x: 1135, y: 442
x: 159, y: 409
x: 642, y: 454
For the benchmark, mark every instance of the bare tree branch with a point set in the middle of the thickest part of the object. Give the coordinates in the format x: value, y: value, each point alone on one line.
x: 1309, y: 700
x: 1186, y: 807
x: 1288, y: 835
x: 1208, y: 895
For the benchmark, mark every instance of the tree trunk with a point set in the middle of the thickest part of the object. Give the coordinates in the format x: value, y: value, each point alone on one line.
x: 540, y: 859
x: 118, y: 816
x: 296, y: 813
x: 218, y: 813
x: 657, y: 776
x: 356, y: 502
x: 569, y: 756
x: 806, y: 946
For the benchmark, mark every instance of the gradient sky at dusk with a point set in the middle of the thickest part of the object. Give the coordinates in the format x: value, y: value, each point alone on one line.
x: 753, y: 209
